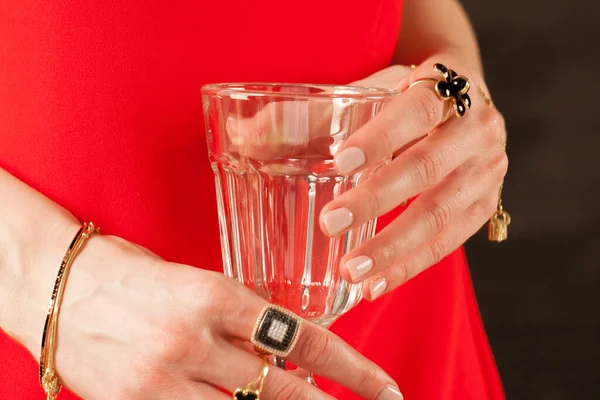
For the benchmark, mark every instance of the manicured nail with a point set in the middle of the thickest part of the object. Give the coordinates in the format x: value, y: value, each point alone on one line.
x: 377, y: 287
x: 337, y: 220
x: 390, y: 393
x: 350, y: 159
x: 359, y: 267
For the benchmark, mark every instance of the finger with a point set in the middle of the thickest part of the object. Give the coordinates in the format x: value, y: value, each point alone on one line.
x: 316, y: 350
x: 273, y: 129
x: 426, y: 217
x: 231, y: 368
x: 249, y: 348
x: 413, y: 114
x: 416, y: 169
x: 433, y: 251
x: 295, y: 127
x: 201, y: 391
x: 323, y: 353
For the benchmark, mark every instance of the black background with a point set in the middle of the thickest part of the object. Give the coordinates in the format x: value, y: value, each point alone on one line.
x: 539, y: 292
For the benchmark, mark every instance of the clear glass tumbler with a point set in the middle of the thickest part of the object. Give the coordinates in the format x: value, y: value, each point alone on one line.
x: 271, y: 147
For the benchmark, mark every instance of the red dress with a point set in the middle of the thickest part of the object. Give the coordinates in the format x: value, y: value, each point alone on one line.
x: 100, y: 110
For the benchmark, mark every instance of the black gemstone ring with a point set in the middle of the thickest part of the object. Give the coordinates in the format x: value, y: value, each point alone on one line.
x: 451, y: 87
x: 252, y: 390
x: 276, y: 331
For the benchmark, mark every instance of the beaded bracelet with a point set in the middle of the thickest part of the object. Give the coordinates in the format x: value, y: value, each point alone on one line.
x: 48, y: 376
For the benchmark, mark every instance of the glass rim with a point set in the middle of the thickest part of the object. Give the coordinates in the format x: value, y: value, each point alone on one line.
x: 344, y: 91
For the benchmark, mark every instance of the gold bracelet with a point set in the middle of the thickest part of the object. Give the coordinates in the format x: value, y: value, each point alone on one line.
x: 500, y: 220
x: 48, y: 377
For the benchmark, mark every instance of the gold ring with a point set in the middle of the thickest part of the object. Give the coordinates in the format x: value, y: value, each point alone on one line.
x: 276, y: 331
x: 252, y: 390
x: 451, y: 87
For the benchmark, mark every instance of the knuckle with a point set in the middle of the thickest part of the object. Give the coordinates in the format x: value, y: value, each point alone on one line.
x: 207, y: 298
x: 475, y: 210
x: 315, y: 350
x: 171, y: 344
x: 372, y: 201
x: 369, y: 379
x: 384, y: 141
x: 428, y: 167
x: 225, y: 303
x: 215, y: 295
x: 483, y: 208
x: 437, y: 251
x: 400, y: 272
x: 143, y: 370
x: 500, y: 165
x: 293, y: 391
x: 494, y: 124
x: 426, y: 110
x: 440, y: 214
x: 388, y: 252
x: 388, y: 144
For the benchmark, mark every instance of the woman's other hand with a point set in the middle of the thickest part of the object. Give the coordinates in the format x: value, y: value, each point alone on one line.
x: 133, y: 326
x: 455, y: 167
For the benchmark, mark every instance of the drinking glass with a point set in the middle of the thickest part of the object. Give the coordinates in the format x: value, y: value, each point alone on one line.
x: 271, y: 148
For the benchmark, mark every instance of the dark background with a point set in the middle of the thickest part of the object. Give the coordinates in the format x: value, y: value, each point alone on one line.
x: 539, y: 292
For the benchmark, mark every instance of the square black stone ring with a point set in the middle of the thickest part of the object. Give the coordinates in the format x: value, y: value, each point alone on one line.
x: 276, y: 331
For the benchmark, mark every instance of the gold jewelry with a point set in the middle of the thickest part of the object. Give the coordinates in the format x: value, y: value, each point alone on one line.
x: 252, y: 390
x: 48, y: 377
x: 413, y: 67
x: 276, y: 331
x: 500, y: 220
x: 487, y: 100
x: 452, y: 87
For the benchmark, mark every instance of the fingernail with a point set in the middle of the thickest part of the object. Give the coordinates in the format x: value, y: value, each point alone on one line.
x: 359, y: 267
x: 350, y: 159
x: 377, y: 287
x: 390, y: 393
x: 337, y: 220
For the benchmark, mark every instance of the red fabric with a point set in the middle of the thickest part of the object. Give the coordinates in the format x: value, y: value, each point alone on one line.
x: 100, y: 110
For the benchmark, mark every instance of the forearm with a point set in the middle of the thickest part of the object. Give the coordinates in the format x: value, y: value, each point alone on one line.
x: 34, y: 234
x: 433, y: 27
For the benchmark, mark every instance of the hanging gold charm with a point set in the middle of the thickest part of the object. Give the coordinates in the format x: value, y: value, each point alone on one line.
x: 498, y: 226
x: 499, y: 222
x: 252, y: 390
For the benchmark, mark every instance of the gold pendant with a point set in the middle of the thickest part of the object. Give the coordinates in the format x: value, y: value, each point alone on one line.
x: 51, y: 384
x: 498, y: 226
x: 252, y: 390
x: 247, y: 393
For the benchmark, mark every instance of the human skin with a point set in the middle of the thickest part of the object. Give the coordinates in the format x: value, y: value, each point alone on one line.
x: 455, y: 167
x: 135, y: 326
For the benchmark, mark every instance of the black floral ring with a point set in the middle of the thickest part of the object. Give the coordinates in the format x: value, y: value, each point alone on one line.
x: 452, y: 87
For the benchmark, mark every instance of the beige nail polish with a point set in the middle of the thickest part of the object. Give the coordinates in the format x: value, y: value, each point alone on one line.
x: 377, y: 287
x: 337, y: 220
x: 390, y: 393
x: 359, y: 267
x: 349, y: 160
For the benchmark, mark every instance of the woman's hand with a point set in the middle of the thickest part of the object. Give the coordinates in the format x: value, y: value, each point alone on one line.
x: 133, y: 326
x: 455, y: 167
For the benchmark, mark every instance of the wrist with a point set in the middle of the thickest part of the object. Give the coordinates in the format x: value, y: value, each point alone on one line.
x: 33, y: 250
